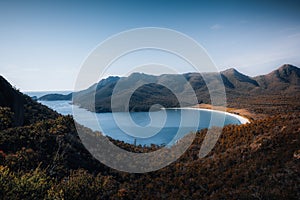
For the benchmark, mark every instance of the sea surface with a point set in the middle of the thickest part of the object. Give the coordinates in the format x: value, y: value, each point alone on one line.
x: 162, y: 127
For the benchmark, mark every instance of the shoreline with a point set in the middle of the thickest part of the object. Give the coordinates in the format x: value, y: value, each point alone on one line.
x: 242, y: 119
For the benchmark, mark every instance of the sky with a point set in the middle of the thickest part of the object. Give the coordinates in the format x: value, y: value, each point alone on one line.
x: 43, y: 44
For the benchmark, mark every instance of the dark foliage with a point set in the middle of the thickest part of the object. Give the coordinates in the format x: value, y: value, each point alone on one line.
x: 45, y: 159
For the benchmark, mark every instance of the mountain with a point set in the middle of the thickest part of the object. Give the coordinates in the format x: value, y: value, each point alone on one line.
x: 239, y: 80
x: 144, y: 91
x: 56, y: 97
x: 285, y: 79
x: 43, y: 158
x: 149, y: 90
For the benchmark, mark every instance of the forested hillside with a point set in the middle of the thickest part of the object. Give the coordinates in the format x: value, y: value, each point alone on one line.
x: 43, y: 158
x: 169, y: 90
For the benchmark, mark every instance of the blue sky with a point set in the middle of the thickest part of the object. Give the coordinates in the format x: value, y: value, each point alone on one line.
x: 44, y: 43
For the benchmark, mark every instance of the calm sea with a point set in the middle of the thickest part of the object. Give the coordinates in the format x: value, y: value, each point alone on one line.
x: 160, y: 127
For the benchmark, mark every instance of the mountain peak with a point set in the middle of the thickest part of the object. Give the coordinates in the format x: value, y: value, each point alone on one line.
x: 286, y: 73
x: 287, y: 66
x: 107, y: 80
x: 285, y: 70
x: 235, y: 77
x: 230, y: 70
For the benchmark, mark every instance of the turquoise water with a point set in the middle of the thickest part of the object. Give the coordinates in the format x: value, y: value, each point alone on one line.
x: 162, y: 127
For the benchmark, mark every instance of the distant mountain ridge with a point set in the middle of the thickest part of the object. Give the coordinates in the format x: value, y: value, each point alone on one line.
x: 149, y: 89
x: 286, y: 78
x: 56, y: 97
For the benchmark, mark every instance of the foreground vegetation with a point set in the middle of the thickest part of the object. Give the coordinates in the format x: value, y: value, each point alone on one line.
x: 44, y: 158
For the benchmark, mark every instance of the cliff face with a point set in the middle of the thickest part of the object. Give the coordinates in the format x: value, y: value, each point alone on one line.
x: 9, y: 97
